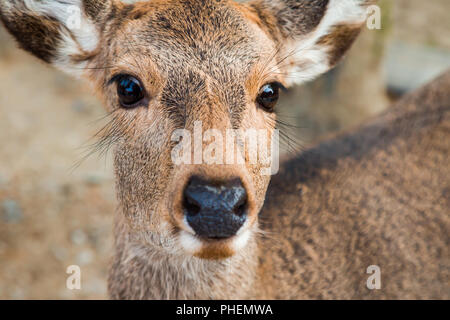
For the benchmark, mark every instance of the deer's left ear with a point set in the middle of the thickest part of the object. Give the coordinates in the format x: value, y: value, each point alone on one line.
x: 64, y: 33
x: 312, y: 35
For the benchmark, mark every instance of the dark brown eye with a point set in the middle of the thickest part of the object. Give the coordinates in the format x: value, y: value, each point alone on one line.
x: 268, y: 96
x: 129, y: 90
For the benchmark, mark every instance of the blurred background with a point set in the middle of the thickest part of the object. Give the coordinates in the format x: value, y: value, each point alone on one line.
x: 56, y: 212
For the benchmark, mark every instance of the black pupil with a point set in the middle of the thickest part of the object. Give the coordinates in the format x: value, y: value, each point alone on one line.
x: 129, y: 90
x: 268, y: 92
x: 269, y: 96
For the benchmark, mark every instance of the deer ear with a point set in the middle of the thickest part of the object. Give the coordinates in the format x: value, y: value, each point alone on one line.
x: 64, y: 33
x: 312, y: 35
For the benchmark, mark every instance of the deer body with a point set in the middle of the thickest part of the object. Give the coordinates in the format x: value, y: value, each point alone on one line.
x: 192, y: 228
x: 378, y: 195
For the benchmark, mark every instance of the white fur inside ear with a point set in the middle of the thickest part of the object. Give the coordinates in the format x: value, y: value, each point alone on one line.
x: 78, y: 33
x: 70, y: 14
x: 67, y: 49
x: 309, y: 58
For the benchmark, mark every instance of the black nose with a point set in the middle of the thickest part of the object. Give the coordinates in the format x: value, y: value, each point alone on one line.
x: 215, y: 210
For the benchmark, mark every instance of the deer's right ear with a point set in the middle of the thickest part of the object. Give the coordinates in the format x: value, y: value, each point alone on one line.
x: 312, y: 35
x: 64, y: 33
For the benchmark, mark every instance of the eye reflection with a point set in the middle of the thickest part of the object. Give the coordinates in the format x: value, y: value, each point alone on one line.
x: 129, y: 90
x: 268, y: 96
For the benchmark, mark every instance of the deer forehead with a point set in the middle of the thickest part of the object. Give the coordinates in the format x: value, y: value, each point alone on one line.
x: 210, y: 40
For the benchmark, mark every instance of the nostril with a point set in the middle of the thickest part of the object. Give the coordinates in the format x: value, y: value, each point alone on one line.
x: 240, y: 208
x: 191, y: 207
x: 215, y: 209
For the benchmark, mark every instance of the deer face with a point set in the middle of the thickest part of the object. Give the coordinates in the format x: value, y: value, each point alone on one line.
x: 178, y: 77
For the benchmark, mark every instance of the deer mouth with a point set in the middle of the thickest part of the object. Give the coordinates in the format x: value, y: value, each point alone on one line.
x: 214, y: 248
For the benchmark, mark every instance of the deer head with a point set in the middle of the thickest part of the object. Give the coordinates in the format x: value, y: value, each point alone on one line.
x: 161, y: 66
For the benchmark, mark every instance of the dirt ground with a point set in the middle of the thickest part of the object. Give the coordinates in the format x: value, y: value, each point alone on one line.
x: 55, y: 212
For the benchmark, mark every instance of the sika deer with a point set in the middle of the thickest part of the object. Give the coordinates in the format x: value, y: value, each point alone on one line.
x: 190, y: 231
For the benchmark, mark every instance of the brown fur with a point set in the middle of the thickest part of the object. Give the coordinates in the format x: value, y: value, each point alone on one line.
x: 339, y: 41
x: 293, y: 18
x: 206, y: 61
x: 378, y: 195
x: 37, y: 35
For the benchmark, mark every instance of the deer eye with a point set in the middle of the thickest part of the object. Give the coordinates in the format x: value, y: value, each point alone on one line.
x: 129, y: 90
x: 268, y: 96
